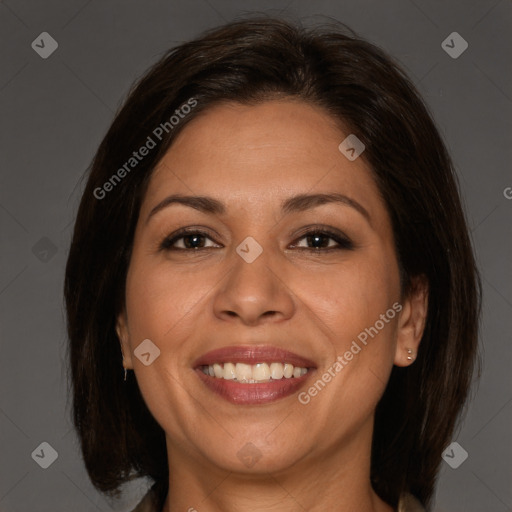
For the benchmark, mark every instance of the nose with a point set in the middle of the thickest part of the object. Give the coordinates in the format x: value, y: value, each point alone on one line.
x: 255, y: 292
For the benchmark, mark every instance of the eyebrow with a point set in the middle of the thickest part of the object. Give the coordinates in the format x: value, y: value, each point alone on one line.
x: 298, y: 203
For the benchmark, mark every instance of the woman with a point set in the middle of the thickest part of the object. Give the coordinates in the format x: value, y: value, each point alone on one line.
x: 271, y: 249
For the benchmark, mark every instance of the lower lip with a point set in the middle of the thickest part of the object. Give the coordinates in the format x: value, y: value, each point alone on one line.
x: 249, y: 394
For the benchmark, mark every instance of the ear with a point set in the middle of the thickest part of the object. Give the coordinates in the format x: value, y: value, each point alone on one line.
x: 411, y: 323
x: 124, y: 338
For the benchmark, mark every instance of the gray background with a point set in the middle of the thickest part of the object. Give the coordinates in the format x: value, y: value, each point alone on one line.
x: 55, y: 111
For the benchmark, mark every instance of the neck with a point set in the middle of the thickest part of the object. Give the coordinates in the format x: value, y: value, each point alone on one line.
x: 337, y: 481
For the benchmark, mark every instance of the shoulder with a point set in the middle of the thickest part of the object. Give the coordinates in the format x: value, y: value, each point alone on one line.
x: 146, y: 504
x: 408, y: 503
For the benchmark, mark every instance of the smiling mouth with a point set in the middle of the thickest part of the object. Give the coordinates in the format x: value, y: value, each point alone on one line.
x: 249, y: 375
x: 255, y: 373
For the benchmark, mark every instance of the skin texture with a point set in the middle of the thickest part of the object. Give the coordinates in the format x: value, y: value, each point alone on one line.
x: 312, y: 457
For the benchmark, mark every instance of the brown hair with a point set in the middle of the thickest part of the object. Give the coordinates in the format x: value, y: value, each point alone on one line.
x: 250, y: 61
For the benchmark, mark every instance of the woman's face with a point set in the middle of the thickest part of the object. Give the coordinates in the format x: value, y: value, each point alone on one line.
x: 248, y: 282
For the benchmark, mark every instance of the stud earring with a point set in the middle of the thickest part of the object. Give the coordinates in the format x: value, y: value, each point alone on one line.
x: 410, y: 357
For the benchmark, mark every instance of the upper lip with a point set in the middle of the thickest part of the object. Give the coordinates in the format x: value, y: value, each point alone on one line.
x: 252, y: 354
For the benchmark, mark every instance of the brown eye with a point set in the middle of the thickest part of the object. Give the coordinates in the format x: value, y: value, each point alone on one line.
x: 189, y: 239
x: 319, y: 240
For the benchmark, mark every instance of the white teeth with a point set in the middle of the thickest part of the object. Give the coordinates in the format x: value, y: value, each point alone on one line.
x: 260, y: 372
x: 288, y: 370
x: 243, y: 372
x: 276, y: 371
x: 218, y: 370
x: 229, y: 371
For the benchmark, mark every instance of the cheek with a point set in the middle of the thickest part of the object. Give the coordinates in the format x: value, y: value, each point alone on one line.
x: 158, y: 298
x: 353, y: 305
x: 350, y: 298
x: 159, y: 304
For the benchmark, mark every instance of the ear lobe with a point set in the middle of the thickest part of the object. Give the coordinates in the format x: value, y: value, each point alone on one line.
x: 412, y: 321
x: 124, y: 339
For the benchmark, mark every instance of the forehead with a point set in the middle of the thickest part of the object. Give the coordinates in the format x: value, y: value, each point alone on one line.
x: 259, y: 153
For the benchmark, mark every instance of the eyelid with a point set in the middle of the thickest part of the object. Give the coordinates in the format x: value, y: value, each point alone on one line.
x: 183, y: 232
x: 342, y: 240
x: 321, y: 228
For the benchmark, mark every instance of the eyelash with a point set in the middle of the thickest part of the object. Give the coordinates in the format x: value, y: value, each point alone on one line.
x: 344, y: 243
